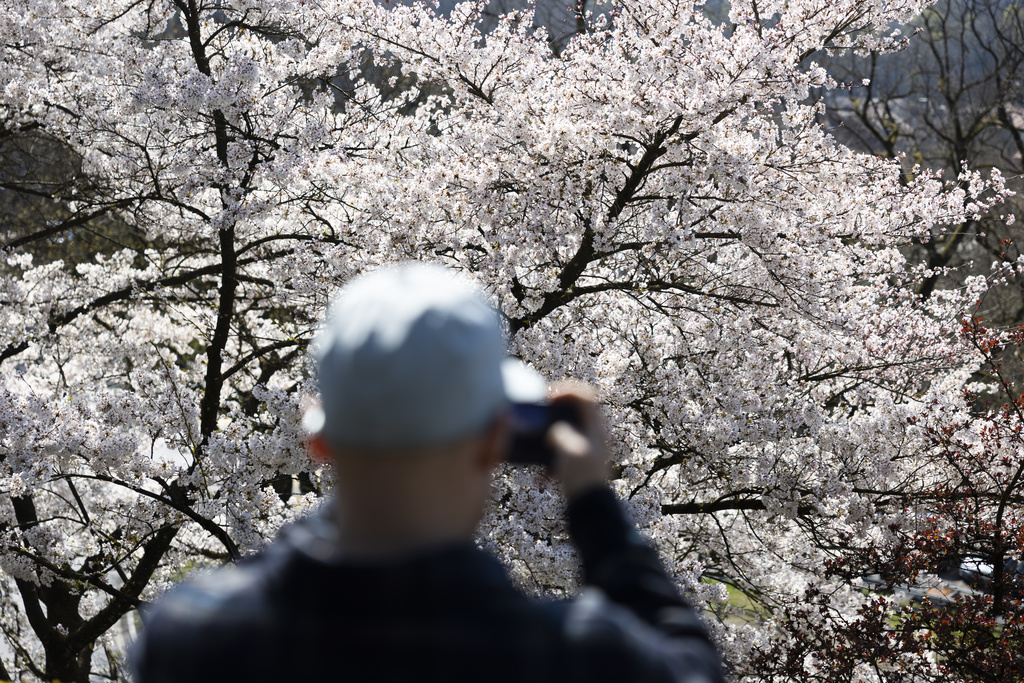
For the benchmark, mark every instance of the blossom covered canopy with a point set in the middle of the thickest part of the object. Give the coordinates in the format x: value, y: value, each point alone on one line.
x: 654, y: 209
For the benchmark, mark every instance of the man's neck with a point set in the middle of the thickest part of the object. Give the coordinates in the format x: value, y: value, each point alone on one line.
x: 375, y: 537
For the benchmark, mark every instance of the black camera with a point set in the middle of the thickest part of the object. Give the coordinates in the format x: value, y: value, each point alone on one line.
x: 530, y: 424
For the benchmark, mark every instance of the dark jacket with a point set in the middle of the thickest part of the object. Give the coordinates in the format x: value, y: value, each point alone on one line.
x: 293, y: 613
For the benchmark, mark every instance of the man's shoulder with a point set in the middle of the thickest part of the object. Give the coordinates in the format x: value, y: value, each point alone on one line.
x: 231, y: 593
x: 201, y: 622
x: 247, y: 590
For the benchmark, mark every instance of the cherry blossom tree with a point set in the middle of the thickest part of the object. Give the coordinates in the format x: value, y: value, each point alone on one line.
x: 655, y: 208
x: 953, y: 95
x: 966, y: 519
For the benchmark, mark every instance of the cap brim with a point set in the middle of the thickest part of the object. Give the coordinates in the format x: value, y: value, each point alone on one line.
x: 313, y: 420
x: 522, y: 383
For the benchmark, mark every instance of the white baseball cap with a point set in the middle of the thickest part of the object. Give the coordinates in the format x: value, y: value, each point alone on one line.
x: 410, y: 356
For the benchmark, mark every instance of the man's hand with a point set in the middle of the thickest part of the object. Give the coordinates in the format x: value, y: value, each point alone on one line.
x: 581, y: 457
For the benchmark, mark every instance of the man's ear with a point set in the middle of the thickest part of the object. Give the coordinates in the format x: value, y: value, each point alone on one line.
x: 319, y: 450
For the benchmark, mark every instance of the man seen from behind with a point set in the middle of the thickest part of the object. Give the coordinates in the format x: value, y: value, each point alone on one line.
x: 386, y: 583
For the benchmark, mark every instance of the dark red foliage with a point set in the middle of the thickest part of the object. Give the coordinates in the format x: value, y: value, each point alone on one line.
x: 976, y: 514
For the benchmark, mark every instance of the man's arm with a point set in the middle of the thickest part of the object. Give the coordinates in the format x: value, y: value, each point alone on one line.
x: 637, y: 616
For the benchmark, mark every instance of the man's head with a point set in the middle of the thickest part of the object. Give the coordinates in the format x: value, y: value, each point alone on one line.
x: 410, y: 357
x: 415, y: 384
